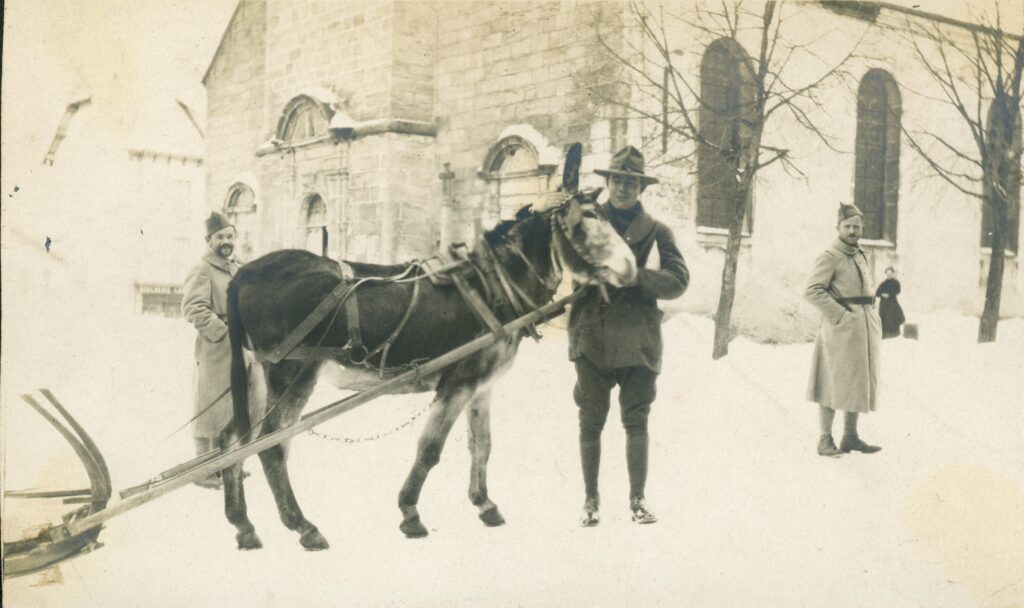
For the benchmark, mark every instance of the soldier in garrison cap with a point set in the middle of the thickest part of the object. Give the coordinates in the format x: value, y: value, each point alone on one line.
x: 618, y: 342
x: 204, y: 305
x: 844, y: 371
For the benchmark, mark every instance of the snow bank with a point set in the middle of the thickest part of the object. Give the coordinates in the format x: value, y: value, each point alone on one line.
x: 750, y: 515
x: 769, y: 312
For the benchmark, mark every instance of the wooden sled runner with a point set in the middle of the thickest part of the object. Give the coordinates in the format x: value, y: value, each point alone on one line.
x: 53, y: 544
x: 80, y: 529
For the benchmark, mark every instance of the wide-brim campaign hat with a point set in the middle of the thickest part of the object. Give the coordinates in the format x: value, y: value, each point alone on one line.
x: 217, y: 222
x: 628, y: 162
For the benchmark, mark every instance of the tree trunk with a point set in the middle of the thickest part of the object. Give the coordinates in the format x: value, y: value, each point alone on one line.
x: 994, y: 283
x: 723, y: 318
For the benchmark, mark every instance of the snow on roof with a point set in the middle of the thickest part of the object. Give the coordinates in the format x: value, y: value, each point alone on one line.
x: 161, y: 123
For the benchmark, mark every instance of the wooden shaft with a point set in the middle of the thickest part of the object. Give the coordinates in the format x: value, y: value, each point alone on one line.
x: 47, y: 493
x: 312, y: 419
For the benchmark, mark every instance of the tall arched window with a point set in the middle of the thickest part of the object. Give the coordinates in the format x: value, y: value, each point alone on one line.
x: 1000, y: 129
x: 303, y: 118
x: 726, y: 98
x: 240, y: 209
x: 514, y: 176
x: 876, y: 186
x: 316, y: 224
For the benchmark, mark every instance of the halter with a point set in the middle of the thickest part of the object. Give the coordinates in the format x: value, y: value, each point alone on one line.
x: 514, y: 292
x: 563, y: 226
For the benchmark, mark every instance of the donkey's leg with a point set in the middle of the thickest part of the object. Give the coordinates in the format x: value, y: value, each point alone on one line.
x: 479, y: 418
x: 288, y: 392
x: 234, y: 500
x: 444, y: 410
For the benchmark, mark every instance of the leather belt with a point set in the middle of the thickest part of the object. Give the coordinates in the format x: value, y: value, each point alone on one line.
x: 863, y: 300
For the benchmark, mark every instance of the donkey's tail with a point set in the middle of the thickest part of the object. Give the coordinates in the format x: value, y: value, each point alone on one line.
x: 239, y: 377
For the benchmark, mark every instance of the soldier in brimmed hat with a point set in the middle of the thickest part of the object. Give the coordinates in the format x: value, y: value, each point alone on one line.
x: 844, y: 372
x: 204, y: 305
x: 618, y: 342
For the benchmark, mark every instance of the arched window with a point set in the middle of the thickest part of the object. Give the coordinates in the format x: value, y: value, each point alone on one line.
x: 514, y: 175
x: 316, y: 224
x: 876, y: 186
x: 302, y: 119
x: 999, y: 129
x: 240, y: 198
x: 240, y: 209
x: 726, y: 98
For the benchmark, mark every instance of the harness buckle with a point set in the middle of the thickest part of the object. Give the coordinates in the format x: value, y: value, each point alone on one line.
x: 358, y: 359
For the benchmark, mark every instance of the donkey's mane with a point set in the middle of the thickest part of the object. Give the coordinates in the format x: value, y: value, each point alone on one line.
x: 500, y: 232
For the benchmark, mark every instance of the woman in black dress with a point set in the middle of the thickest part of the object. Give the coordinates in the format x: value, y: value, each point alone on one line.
x: 889, y: 309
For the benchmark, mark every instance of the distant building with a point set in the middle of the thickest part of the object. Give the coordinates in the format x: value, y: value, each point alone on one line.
x: 116, y: 203
x: 376, y: 131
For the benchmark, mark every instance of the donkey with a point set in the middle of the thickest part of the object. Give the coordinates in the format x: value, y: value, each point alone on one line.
x: 273, y: 294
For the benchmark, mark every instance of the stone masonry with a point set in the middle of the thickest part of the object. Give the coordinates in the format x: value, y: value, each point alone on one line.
x: 488, y: 95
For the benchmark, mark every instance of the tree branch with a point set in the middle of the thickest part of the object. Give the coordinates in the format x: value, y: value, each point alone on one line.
x: 939, y: 170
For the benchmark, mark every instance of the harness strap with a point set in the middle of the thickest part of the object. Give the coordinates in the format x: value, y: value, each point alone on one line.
x: 481, y: 273
x: 514, y: 295
x: 479, y: 307
x: 355, y: 334
x: 384, y: 347
x: 496, y: 294
x: 332, y: 301
x: 317, y: 352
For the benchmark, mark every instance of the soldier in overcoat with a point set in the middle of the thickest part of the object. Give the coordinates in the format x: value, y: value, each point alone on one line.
x: 204, y: 305
x: 844, y: 370
x: 618, y: 342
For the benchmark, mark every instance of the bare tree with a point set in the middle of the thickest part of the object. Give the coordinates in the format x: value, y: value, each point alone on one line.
x: 670, y: 100
x: 988, y: 166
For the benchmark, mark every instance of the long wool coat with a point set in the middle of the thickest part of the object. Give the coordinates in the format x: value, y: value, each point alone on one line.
x: 205, y: 305
x: 627, y: 332
x: 844, y: 372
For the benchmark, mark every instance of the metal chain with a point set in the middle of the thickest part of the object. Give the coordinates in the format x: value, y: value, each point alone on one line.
x: 369, y: 438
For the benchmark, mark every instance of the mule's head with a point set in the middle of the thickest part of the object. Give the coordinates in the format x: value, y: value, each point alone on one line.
x: 569, y: 234
x: 587, y: 243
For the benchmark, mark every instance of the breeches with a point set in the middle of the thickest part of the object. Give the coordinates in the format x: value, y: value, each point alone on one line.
x: 593, y: 396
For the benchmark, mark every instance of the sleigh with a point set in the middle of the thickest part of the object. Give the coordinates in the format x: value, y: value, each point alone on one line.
x: 79, y: 531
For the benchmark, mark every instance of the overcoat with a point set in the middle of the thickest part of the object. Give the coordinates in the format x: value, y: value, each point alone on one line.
x: 204, y: 304
x: 627, y: 331
x: 844, y: 371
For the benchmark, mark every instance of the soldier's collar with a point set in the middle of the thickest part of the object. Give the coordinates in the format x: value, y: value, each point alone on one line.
x: 842, y: 246
x: 213, y: 259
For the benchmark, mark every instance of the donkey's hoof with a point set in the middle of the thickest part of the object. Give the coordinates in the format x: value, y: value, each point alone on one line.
x: 312, y: 540
x: 248, y: 541
x: 412, y: 527
x: 492, y: 518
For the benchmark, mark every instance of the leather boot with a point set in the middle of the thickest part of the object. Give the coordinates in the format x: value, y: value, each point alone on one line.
x: 853, y: 443
x: 827, y: 447
x: 641, y: 514
x: 591, y: 515
x: 636, y: 462
x: 590, y: 458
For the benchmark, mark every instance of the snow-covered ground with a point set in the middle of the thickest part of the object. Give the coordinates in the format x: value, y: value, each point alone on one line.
x: 750, y: 515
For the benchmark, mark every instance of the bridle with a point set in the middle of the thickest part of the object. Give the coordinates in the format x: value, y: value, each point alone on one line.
x: 560, y: 226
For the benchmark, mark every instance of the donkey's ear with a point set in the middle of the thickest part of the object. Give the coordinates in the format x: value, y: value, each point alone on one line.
x: 524, y: 212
